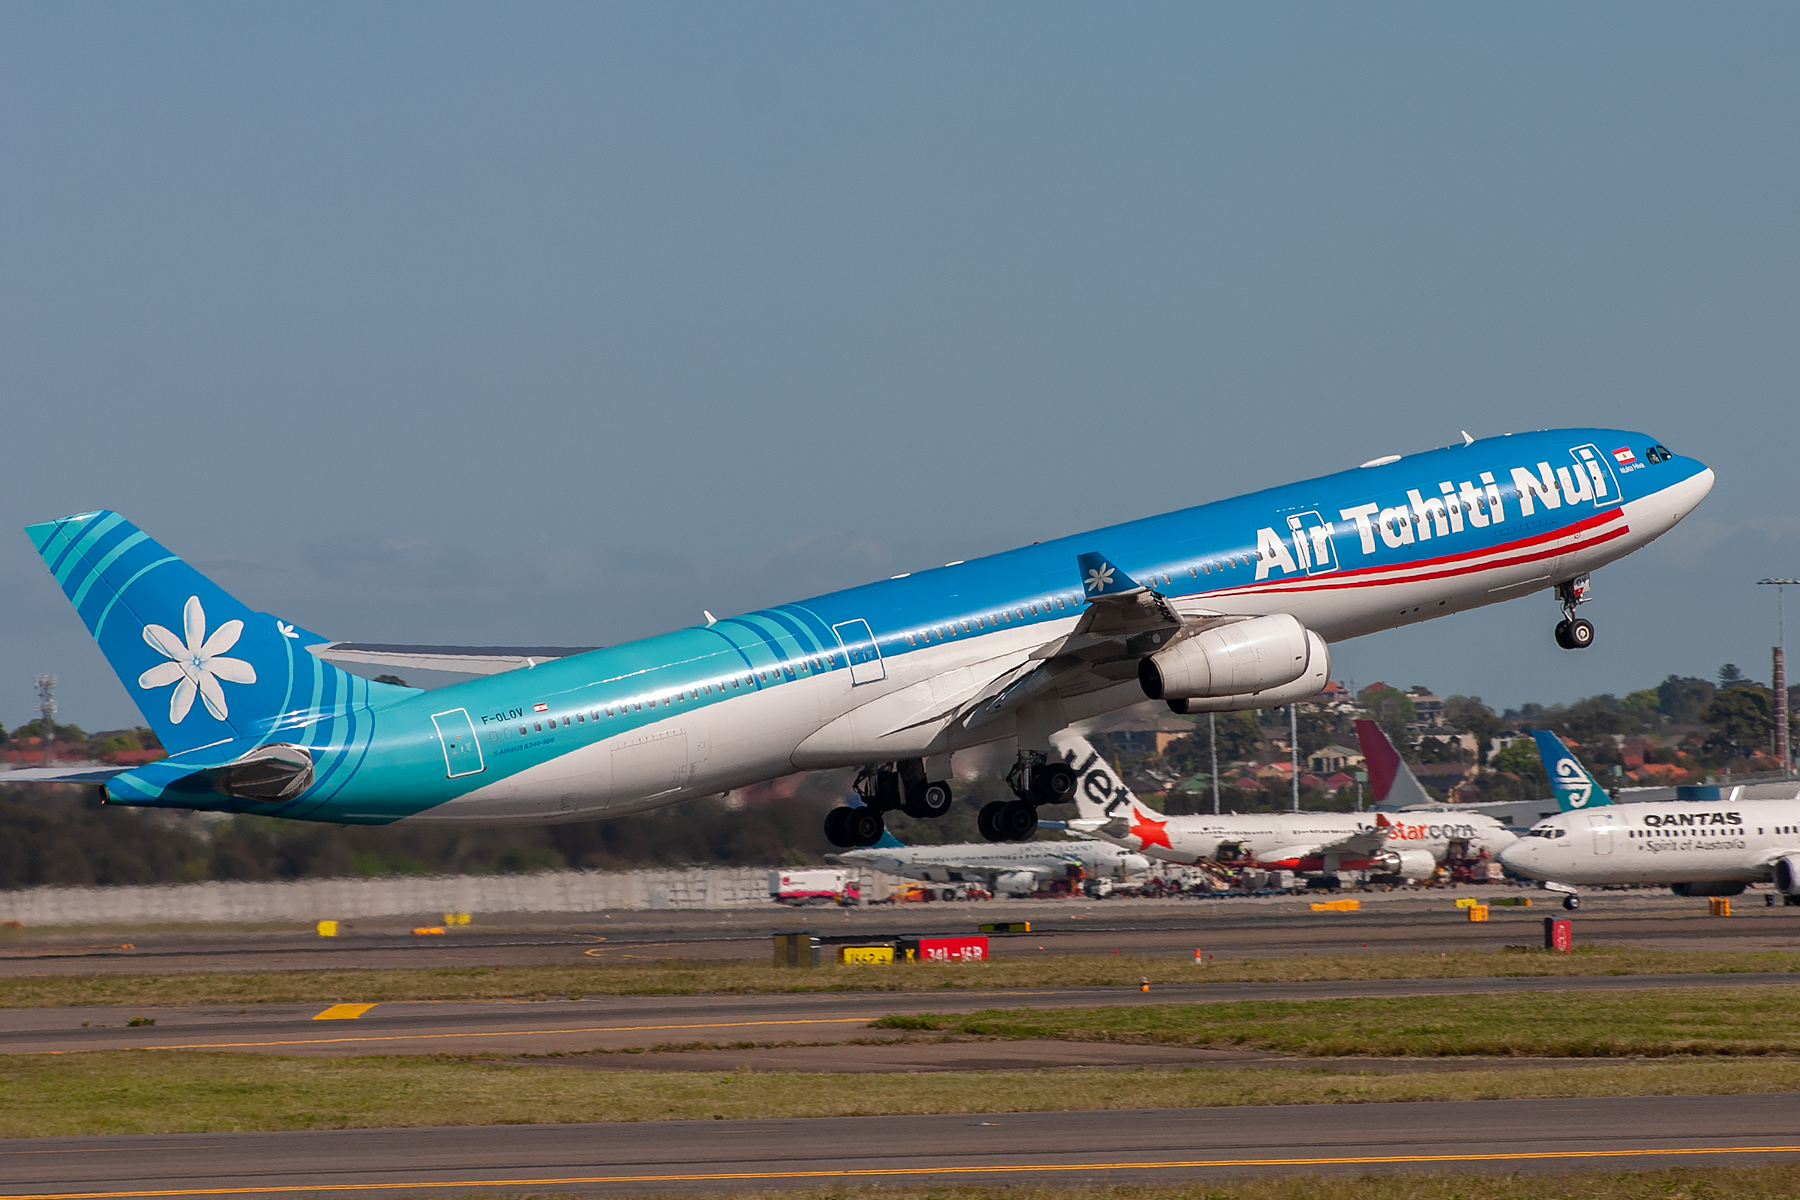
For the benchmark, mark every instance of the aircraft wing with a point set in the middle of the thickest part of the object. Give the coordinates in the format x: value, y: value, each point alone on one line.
x: 1362, y: 842
x: 463, y: 660
x: 68, y: 773
x: 1124, y: 621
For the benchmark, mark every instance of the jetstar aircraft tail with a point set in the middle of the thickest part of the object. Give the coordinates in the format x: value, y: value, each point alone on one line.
x: 202, y: 667
x: 1574, y: 785
x: 1100, y: 795
x: 1390, y: 780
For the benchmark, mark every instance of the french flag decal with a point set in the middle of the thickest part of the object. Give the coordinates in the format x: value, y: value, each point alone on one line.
x: 540, y: 708
x: 1625, y: 456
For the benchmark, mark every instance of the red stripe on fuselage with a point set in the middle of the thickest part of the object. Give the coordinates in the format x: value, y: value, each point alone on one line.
x: 1391, y: 574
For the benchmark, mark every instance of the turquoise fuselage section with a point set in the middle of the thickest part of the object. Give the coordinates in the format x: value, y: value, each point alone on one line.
x: 388, y: 754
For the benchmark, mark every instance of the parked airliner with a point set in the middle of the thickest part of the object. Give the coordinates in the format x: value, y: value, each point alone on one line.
x: 1012, y: 869
x: 1409, y: 843
x: 1228, y: 605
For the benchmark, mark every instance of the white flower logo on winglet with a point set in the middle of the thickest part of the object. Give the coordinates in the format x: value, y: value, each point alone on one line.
x: 196, y: 665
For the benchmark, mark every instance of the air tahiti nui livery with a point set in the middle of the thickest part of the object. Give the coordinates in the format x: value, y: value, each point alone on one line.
x: 1229, y: 605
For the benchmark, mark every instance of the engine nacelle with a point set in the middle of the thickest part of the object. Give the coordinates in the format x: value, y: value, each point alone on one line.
x: 1787, y: 875
x: 1311, y: 682
x: 1016, y: 883
x: 1244, y: 656
x: 1718, y: 887
x: 1410, y: 864
x: 1133, y: 864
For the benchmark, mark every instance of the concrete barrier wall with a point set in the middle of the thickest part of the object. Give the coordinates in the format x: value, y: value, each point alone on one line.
x: 348, y: 899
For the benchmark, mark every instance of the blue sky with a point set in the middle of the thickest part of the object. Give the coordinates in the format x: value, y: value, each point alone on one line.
x: 559, y: 323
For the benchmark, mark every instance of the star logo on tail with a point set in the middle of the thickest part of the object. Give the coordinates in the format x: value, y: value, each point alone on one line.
x: 1148, y: 831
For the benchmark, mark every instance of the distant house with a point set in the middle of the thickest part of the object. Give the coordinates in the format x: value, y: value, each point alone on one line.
x: 1145, y: 728
x: 1334, y: 758
x: 1339, y: 782
x: 1441, y: 775
x: 1429, y: 706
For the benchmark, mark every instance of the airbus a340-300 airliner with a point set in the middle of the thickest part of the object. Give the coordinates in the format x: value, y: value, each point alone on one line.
x: 1229, y: 605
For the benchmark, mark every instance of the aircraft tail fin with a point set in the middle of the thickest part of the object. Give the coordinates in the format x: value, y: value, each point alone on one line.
x: 202, y: 667
x: 1100, y: 795
x: 889, y: 842
x: 1391, y: 781
x: 1574, y: 785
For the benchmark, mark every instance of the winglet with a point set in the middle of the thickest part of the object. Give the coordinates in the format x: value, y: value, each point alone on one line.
x: 1100, y: 578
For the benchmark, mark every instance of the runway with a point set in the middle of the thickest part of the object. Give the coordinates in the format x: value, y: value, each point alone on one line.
x: 1397, y: 922
x: 633, y: 1022
x: 1069, y: 1148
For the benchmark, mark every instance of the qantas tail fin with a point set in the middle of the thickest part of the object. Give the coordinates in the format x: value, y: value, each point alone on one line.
x: 1390, y: 779
x: 201, y: 666
x: 1574, y: 785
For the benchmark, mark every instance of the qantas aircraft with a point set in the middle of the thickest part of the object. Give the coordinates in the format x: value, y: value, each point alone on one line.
x: 1699, y: 848
x: 1229, y: 605
x: 1410, y: 843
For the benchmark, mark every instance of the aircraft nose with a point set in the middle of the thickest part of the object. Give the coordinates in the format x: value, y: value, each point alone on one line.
x: 1521, y: 857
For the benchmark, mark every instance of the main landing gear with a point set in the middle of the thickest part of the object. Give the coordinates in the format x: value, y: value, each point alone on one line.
x: 883, y: 788
x: 1035, y: 780
x: 1573, y: 633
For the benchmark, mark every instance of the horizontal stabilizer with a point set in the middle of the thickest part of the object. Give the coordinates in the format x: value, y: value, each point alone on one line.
x: 68, y: 773
x: 461, y: 660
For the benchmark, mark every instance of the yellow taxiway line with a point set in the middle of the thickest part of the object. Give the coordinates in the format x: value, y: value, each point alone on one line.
x: 889, y: 1172
x: 500, y: 1033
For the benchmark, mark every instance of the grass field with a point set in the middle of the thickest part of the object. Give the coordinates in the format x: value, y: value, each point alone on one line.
x: 122, y: 1092
x: 597, y: 977
x: 1748, y: 1020
x: 1774, y: 1182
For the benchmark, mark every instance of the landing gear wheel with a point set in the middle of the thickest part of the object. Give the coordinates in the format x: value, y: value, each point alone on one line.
x: 927, y: 802
x: 984, y: 821
x: 1053, y: 784
x: 863, y: 826
x: 1571, y: 902
x: 1016, y: 821
x: 1581, y: 634
x: 835, y: 833
x: 1562, y: 635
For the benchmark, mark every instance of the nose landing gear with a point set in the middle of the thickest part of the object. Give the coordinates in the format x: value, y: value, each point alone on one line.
x: 1573, y: 633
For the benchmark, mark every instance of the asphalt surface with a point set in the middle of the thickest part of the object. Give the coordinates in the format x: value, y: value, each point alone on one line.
x: 626, y: 1022
x: 1066, y: 1148
x: 1248, y: 927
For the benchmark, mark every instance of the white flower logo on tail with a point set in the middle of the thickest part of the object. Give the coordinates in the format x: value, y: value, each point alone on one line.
x: 196, y: 665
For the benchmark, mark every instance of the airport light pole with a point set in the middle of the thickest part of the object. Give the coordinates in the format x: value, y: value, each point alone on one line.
x: 1779, y: 676
x: 1294, y: 750
x: 1212, y: 729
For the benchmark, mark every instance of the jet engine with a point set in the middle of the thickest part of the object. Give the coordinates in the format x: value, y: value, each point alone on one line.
x: 1411, y: 864
x: 1717, y: 887
x: 1310, y: 683
x: 1016, y: 883
x: 1228, y: 660
x: 1787, y: 875
x: 1133, y: 864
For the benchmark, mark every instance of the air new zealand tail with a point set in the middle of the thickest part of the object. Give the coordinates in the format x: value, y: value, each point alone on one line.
x: 1575, y: 787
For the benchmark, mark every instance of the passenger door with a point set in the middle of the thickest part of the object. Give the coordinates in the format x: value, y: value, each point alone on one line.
x: 462, y: 749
